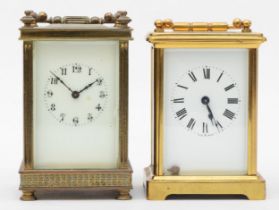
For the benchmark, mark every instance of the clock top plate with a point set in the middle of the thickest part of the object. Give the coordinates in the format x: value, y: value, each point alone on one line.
x: 168, y: 34
x: 41, y: 27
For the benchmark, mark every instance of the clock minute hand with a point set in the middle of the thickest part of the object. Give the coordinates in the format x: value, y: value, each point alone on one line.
x: 62, y: 82
x: 88, y: 86
x: 213, y: 120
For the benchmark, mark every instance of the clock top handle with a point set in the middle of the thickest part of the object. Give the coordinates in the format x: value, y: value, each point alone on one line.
x: 119, y: 19
x: 168, y: 24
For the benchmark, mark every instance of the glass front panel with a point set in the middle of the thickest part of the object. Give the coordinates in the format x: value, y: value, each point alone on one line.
x: 205, y: 111
x: 75, y: 104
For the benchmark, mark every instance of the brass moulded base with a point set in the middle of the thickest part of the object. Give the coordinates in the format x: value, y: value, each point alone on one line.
x: 116, y: 182
x: 160, y: 187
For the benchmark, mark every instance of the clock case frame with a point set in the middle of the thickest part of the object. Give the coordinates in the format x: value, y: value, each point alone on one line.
x: 118, y: 180
x: 201, y: 35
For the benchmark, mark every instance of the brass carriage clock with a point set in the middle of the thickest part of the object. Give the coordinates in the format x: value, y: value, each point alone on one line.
x: 204, y: 110
x: 75, y: 104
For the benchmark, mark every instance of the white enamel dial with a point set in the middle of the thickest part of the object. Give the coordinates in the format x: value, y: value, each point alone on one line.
x: 76, y: 104
x: 75, y: 94
x: 205, y: 115
x: 205, y: 100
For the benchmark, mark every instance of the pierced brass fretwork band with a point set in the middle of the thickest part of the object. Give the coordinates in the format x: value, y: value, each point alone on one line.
x: 119, y: 19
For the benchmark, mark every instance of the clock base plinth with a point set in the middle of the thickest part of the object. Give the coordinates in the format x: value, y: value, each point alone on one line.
x: 160, y: 187
x: 115, y: 183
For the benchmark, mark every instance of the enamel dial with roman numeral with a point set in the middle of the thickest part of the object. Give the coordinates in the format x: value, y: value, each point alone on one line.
x: 205, y: 100
x: 205, y: 111
x: 75, y: 94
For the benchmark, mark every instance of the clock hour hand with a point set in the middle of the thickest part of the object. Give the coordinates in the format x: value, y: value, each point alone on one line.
x: 210, y: 115
x: 62, y: 82
x: 98, y: 81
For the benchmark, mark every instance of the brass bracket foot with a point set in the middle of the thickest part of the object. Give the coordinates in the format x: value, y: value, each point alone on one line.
x: 124, y: 195
x: 28, y: 196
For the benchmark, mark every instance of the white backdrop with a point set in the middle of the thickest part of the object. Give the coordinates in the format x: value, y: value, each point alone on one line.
x: 264, y: 15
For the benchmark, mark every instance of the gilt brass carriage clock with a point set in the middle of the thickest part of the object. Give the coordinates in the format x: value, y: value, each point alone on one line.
x: 204, y: 110
x: 75, y: 104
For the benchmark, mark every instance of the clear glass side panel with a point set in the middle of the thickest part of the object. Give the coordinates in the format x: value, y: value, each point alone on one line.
x: 205, y: 111
x: 76, y: 104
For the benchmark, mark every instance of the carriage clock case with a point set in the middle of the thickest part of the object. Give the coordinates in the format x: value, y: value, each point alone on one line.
x: 75, y: 104
x: 204, y: 109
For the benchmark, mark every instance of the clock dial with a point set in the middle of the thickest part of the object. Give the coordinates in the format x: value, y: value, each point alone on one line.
x: 205, y: 113
x: 75, y: 94
x: 205, y: 100
x: 76, y: 104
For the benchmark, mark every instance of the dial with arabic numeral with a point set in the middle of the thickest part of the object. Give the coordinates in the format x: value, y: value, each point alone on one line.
x: 75, y: 94
x: 205, y: 100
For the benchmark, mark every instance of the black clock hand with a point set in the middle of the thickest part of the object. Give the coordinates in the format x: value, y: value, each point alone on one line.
x: 62, y: 82
x: 90, y: 84
x: 205, y: 100
x: 210, y: 115
x: 87, y: 86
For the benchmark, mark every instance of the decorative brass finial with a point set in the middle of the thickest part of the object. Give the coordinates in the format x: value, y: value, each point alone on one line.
x: 120, y: 13
x: 237, y: 23
x: 96, y: 20
x: 42, y: 17
x: 109, y: 18
x: 159, y: 25
x: 29, y: 19
x: 122, y: 22
x: 119, y: 19
x: 168, y: 24
x: 246, y: 25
